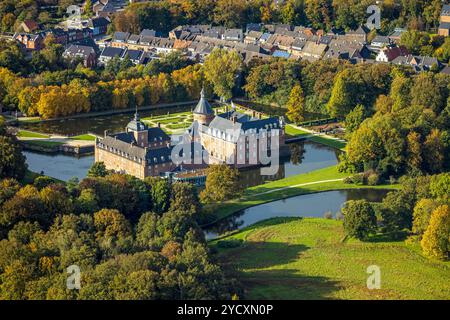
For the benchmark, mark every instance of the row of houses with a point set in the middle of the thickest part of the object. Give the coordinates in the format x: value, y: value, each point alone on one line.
x: 32, y: 38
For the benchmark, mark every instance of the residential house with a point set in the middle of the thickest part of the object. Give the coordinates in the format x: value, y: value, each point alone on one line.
x: 359, y: 35
x: 233, y: 35
x: 297, y: 47
x: 59, y: 35
x: 444, y: 26
x: 120, y: 37
x: 347, y: 50
x: 254, y: 27
x: 99, y: 25
x: 380, y: 42
x: 29, y: 26
x: 313, y: 51
x: 396, y: 35
x: 84, y: 53
x: 253, y: 37
x: 110, y: 52
x: 418, y: 63
x: 134, y: 55
x: 390, y: 53
x: 30, y: 41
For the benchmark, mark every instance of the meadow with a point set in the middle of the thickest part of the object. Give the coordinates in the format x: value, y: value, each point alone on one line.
x: 308, y: 258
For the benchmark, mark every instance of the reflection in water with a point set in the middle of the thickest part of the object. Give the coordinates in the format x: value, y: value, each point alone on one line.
x: 306, y: 156
x: 97, y: 125
x: 297, y: 153
x: 310, y: 205
x: 313, y: 156
x: 60, y: 166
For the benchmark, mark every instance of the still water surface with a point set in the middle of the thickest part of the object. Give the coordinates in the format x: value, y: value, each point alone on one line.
x: 309, y: 205
x: 307, y: 157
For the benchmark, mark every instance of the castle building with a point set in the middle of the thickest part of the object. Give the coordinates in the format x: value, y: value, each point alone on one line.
x: 139, y: 151
x: 231, y: 137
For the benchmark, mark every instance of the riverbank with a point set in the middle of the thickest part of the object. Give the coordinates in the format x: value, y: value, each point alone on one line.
x: 305, y: 258
x: 49, y: 143
x: 327, y: 179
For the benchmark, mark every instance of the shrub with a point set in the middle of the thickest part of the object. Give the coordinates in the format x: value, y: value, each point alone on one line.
x: 359, y: 218
x: 348, y: 180
x: 373, y: 179
x: 392, y: 180
x: 358, y: 178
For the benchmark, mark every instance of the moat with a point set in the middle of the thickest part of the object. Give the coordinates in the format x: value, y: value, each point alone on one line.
x: 306, y: 156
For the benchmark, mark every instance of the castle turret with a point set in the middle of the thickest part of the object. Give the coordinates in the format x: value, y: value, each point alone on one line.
x: 203, y: 113
x: 139, y: 130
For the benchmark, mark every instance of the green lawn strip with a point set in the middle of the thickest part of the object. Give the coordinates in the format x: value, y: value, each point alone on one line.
x: 329, y: 142
x: 259, y: 194
x: 30, y: 134
x: 294, y: 132
x: 84, y: 137
x: 304, y: 258
x: 30, y: 120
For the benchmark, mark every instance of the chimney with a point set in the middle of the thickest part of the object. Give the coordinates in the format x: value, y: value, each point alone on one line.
x: 106, y: 133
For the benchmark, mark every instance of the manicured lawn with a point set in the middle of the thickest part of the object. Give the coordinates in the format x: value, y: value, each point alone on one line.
x: 30, y: 134
x: 286, y: 188
x: 84, y: 137
x: 171, y: 123
x: 294, y: 132
x: 305, y: 258
x: 328, y: 142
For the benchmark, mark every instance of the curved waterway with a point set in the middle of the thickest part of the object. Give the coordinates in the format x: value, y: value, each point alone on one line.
x: 309, y: 205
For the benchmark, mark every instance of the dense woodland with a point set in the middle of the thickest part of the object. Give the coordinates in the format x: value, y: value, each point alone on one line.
x: 132, y: 239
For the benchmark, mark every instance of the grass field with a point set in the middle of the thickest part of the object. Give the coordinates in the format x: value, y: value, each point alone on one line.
x: 294, y: 132
x: 295, y: 258
x: 84, y: 137
x: 287, y: 187
x: 30, y: 134
x: 329, y: 142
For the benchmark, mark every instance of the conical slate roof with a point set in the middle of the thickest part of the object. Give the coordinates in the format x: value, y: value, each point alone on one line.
x: 203, y: 106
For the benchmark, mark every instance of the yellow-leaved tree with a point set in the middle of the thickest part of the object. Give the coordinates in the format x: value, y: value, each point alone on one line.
x: 436, y: 239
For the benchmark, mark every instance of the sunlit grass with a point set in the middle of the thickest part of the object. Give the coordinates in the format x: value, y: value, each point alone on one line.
x: 305, y: 258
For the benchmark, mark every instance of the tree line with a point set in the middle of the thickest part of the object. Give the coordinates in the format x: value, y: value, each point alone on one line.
x: 319, y: 14
x: 419, y: 211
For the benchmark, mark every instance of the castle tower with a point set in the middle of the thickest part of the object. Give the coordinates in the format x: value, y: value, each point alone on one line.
x: 203, y: 113
x: 139, y: 129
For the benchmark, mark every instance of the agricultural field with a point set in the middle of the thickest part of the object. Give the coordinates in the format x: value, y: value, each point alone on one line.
x: 308, y: 258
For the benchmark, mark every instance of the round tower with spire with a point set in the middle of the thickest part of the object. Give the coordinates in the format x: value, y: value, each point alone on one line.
x: 203, y: 113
